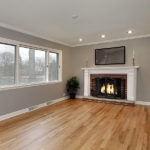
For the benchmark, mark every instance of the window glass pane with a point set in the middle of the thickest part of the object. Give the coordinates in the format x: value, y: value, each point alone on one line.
x: 7, y: 65
x: 32, y: 65
x: 53, y: 66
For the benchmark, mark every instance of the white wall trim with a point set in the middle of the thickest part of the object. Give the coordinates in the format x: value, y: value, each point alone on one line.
x: 130, y: 71
x: 71, y: 45
x: 46, y: 49
x: 33, y: 34
x: 19, y: 43
x: 79, y: 96
x: 22, y: 111
x: 113, y: 40
x: 142, y: 103
x: 18, y: 86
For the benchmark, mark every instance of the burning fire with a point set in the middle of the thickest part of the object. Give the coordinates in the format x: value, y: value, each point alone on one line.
x: 109, y: 89
x: 103, y: 89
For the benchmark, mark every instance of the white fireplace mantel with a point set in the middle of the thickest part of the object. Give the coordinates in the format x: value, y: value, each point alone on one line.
x: 130, y: 71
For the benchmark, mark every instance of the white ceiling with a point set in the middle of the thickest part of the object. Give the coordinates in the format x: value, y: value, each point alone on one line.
x: 52, y: 19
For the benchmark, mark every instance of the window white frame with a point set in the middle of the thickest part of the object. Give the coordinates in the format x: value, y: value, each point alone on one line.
x: 46, y: 49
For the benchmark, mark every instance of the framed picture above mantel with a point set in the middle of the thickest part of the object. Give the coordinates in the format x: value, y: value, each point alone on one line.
x: 110, y: 56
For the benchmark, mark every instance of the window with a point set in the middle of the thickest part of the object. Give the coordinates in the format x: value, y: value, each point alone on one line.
x: 32, y: 65
x: 7, y: 65
x: 53, y: 66
x: 21, y: 65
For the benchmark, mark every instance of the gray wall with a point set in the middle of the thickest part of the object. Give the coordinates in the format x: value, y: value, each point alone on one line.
x: 16, y: 99
x: 73, y: 60
x: 142, y: 58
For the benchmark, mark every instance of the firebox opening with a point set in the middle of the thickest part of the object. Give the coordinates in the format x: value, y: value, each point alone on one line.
x: 106, y: 87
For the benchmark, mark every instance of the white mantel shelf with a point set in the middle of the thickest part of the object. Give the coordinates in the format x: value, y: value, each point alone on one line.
x: 130, y: 71
x: 111, y: 68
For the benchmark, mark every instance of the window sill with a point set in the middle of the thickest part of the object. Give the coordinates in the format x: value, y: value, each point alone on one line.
x: 29, y: 85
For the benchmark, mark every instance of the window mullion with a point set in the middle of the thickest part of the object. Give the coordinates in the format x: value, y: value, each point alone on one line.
x: 17, y: 65
x: 47, y: 66
x: 60, y: 66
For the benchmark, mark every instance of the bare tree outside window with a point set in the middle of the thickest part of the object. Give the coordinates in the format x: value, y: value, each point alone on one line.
x: 32, y: 65
x: 24, y: 65
x: 7, y: 65
x: 54, y: 65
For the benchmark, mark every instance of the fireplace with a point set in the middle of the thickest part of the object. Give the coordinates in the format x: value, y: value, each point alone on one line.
x: 127, y: 73
x: 109, y: 86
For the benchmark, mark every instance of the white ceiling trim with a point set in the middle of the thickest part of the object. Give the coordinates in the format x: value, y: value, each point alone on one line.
x: 114, y: 40
x: 32, y: 34
x: 76, y: 45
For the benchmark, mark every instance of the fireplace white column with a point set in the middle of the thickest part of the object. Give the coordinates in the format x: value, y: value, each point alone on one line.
x: 86, y: 82
x: 131, y: 73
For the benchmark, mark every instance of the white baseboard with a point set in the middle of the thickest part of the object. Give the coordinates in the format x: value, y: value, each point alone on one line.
x: 79, y: 96
x: 22, y: 111
x: 142, y: 103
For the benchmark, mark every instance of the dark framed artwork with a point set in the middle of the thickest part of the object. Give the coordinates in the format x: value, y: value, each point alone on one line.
x: 110, y: 56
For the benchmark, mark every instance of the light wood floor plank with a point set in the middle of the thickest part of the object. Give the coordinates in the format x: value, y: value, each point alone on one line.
x: 78, y: 125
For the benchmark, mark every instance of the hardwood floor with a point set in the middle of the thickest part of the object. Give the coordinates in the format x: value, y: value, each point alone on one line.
x: 78, y: 125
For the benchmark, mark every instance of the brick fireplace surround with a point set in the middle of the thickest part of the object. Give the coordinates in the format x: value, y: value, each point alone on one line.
x: 111, y: 76
x: 127, y: 72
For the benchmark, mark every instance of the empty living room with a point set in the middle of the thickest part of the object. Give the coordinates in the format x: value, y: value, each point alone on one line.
x: 75, y: 75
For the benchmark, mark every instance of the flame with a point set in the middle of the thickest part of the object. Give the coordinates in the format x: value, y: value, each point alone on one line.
x: 103, y: 89
x: 116, y: 92
x: 109, y: 89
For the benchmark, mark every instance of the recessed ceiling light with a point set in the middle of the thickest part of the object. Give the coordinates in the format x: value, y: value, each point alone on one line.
x: 103, y: 36
x: 80, y: 39
x: 130, y: 32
